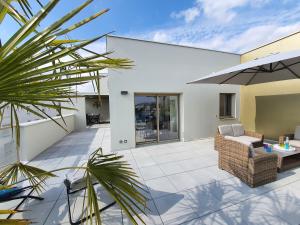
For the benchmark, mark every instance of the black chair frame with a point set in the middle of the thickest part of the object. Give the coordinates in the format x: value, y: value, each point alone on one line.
x: 70, y: 192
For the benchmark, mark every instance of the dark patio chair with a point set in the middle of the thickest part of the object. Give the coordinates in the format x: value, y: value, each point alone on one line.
x: 16, y: 193
x: 71, y: 191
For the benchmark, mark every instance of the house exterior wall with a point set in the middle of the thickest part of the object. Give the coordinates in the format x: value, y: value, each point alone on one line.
x: 164, y: 68
x: 249, y: 93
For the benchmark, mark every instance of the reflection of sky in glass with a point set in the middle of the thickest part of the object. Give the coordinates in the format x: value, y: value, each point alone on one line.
x: 144, y: 99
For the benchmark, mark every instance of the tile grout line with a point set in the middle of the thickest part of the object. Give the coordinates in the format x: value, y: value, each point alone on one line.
x: 174, y: 162
x: 165, y: 175
x: 237, y: 203
x: 152, y: 199
x: 53, y: 206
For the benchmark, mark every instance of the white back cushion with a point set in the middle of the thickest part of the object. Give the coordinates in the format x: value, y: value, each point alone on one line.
x: 238, y: 130
x: 297, y: 133
x: 226, y: 130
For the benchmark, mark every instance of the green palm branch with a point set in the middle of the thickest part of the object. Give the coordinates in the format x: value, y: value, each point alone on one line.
x: 119, y: 179
x: 39, y: 69
x: 35, y: 71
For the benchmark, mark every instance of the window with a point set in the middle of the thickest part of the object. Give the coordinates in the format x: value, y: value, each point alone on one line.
x: 227, y: 105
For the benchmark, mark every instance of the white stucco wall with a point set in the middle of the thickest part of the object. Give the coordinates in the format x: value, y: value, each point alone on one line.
x: 35, y: 137
x: 79, y: 114
x: 163, y: 68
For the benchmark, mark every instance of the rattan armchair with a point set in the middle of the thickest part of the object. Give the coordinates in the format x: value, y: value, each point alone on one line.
x: 260, y: 169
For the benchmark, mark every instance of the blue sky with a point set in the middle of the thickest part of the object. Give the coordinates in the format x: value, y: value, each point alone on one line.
x: 228, y: 25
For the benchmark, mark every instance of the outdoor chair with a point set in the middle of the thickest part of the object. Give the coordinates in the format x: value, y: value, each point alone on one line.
x: 294, y: 139
x: 236, y: 132
x: 75, y: 187
x: 16, y: 193
x: 253, y: 167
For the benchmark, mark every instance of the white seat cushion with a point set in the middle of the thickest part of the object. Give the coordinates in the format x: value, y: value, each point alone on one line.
x: 238, y: 130
x: 297, y: 133
x: 246, y: 140
x: 226, y: 130
x: 295, y: 143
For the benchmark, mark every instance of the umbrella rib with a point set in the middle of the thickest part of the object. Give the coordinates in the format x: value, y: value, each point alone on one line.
x: 229, y: 78
x: 277, y: 64
x: 286, y: 65
x: 289, y: 69
x: 250, y: 80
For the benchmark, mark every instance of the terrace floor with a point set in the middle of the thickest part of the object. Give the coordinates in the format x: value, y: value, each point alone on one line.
x: 184, y: 182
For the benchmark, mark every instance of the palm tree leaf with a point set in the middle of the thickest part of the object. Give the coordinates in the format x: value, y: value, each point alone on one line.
x: 3, y: 10
x: 81, y: 23
x: 60, y: 42
x: 36, y: 176
x: 25, y: 30
x: 120, y: 181
x: 14, y: 222
x: 38, y: 70
x: 9, y: 211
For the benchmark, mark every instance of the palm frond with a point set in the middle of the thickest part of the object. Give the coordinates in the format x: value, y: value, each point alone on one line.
x: 27, y: 77
x: 35, y: 176
x: 24, y: 5
x: 14, y: 222
x: 120, y: 181
x: 9, y: 211
x: 39, y: 70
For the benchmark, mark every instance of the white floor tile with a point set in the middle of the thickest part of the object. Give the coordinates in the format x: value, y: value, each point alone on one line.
x: 171, y: 168
x: 160, y: 186
x: 151, y: 172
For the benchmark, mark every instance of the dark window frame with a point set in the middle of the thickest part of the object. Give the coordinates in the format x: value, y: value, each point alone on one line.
x: 226, y: 105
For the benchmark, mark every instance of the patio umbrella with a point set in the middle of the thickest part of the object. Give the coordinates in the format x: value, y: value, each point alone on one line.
x: 275, y: 67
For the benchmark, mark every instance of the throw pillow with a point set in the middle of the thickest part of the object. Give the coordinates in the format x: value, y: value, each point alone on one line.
x: 238, y: 130
x: 226, y: 130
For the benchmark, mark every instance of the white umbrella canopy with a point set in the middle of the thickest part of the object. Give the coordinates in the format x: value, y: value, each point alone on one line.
x: 275, y: 67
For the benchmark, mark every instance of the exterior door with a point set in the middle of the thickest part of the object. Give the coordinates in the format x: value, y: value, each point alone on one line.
x: 156, y: 118
x: 168, y: 118
x: 145, y: 119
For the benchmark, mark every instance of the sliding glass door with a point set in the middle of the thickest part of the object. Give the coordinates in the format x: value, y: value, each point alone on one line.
x: 156, y: 118
x: 145, y: 119
x: 168, y: 117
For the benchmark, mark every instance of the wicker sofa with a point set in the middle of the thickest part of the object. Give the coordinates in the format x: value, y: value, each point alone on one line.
x: 255, y: 167
x: 256, y: 139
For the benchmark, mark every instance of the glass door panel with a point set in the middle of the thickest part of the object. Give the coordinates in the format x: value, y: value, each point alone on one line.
x: 168, y: 118
x: 145, y: 118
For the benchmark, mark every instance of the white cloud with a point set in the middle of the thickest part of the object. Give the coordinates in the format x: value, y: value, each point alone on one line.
x: 222, y: 11
x: 247, y: 40
x: 160, y: 36
x: 253, y: 27
x: 189, y: 15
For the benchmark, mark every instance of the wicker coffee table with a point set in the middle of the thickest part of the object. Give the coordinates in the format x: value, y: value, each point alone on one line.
x: 286, y: 159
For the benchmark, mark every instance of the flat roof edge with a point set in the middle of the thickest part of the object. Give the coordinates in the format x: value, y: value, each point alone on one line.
x: 271, y: 42
x: 170, y: 44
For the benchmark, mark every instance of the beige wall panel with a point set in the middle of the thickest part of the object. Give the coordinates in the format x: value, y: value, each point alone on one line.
x: 277, y: 114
